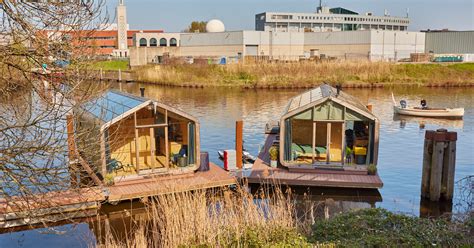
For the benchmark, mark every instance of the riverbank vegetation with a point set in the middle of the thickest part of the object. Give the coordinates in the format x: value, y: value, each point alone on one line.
x: 273, y: 219
x: 308, y: 74
x: 110, y: 65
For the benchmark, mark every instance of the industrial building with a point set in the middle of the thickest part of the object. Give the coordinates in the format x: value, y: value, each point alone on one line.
x: 450, y: 42
x: 374, y: 45
x: 328, y: 19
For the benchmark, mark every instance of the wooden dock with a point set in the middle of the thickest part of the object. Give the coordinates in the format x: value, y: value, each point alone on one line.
x: 86, y: 202
x: 214, y: 178
x: 50, y: 207
x: 262, y: 173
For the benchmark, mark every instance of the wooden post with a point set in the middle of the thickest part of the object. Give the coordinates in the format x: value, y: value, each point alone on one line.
x: 71, y: 151
x: 137, y: 145
x: 313, y: 156
x: 101, y: 75
x: 370, y: 107
x: 439, y: 158
x: 449, y: 165
x: 427, y: 156
x: 103, y: 158
x: 120, y: 75
x: 239, y: 126
x: 328, y: 143
x: 152, y: 147
x: 437, y: 165
x: 167, y: 148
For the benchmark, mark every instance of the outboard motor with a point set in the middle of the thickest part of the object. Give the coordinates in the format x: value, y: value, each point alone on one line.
x: 403, y: 103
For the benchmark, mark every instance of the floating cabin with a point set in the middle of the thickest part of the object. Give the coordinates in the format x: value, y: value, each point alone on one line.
x: 136, y: 136
x: 325, y: 128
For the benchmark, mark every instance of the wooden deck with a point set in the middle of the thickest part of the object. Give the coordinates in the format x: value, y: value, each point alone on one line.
x: 215, y: 177
x: 50, y: 207
x: 348, y: 177
x: 80, y: 203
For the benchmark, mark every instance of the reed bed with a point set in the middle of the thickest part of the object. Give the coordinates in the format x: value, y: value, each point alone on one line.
x: 226, y: 218
x: 270, y: 218
x: 307, y: 74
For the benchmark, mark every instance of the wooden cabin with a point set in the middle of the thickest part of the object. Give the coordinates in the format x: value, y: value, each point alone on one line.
x: 128, y: 136
x: 327, y: 128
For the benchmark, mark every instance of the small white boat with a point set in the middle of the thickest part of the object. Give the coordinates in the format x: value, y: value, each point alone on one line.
x: 404, y: 109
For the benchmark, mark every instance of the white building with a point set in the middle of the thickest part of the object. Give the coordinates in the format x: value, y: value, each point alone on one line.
x: 374, y: 45
x: 326, y: 20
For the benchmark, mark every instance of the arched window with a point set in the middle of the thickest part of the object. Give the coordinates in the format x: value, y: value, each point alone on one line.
x: 173, y: 42
x: 163, y: 42
x: 153, y: 42
x: 143, y: 42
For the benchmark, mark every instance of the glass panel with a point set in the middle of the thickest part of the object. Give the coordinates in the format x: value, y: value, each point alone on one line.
x: 354, y: 116
x: 361, y: 141
x: 335, y: 153
x: 287, y: 145
x: 304, y: 116
x: 328, y: 111
x: 321, y: 141
x: 336, y: 111
x: 191, y: 143
x: 321, y: 112
x: 302, y: 141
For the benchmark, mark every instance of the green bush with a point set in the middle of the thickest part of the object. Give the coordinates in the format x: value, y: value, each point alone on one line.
x: 381, y: 228
x: 261, y: 237
x: 372, y: 169
x: 273, y: 153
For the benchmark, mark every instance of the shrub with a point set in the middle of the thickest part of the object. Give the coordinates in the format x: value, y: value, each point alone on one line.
x: 379, y: 227
x: 372, y: 169
x: 273, y: 153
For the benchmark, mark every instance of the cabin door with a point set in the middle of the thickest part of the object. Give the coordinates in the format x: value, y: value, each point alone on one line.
x: 328, y: 142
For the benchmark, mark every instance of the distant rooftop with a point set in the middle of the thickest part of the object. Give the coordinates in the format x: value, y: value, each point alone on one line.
x: 342, y: 11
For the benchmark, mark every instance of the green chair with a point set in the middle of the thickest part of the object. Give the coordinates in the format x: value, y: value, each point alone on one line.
x: 114, y: 165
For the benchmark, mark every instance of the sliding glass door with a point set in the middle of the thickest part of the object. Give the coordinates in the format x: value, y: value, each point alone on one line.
x: 328, y: 142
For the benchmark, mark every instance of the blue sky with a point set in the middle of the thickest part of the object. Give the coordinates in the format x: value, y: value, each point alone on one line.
x: 175, y: 15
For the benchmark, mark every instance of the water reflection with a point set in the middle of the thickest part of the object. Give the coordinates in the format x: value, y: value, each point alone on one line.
x: 400, y: 154
x: 422, y: 122
x: 401, y: 138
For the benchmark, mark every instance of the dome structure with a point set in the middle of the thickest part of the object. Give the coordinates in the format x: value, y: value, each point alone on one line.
x: 215, y: 26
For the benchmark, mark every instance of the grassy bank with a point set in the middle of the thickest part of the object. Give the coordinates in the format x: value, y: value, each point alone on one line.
x: 235, y: 219
x: 110, y: 65
x: 307, y: 74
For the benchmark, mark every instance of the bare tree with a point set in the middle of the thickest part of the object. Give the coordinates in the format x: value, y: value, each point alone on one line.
x: 44, y: 54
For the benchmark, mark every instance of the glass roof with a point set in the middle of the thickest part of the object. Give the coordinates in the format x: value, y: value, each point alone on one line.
x: 112, y: 104
x: 324, y: 91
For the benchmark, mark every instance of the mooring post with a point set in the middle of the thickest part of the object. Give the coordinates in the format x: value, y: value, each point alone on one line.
x: 239, y: 126
x: 427, y: 156
x: 439, y: 139
x: 449, y: 165
x: 119, y: 75
x: 439, y: 159
x: 101, y: 76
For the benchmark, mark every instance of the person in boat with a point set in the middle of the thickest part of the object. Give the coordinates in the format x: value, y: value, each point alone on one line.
x: 423, y: 103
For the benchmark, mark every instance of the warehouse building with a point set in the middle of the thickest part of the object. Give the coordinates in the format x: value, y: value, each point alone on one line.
x: 450, y: 42
x: 374, y: 45
x: 328, y: 19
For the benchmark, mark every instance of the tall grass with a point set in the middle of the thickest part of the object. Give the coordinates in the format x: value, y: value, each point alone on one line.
x: 219, y: 219
x: 305, y: 74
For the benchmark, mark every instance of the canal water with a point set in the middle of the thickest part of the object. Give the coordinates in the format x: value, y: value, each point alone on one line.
x: 401, y: 143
